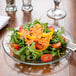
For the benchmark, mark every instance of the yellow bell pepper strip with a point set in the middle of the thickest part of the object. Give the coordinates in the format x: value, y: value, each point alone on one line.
x: 31, y: 37
x: 38, y: 25
x: 21, y: 34
x: 52, y: 31
x: 41, y: 49
x: 48, y: 34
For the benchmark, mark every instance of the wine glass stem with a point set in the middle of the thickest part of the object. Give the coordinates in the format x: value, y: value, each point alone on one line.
x: 56, y: 4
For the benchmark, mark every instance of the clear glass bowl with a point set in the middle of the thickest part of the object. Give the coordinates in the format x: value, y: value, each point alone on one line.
x: 7, y: 49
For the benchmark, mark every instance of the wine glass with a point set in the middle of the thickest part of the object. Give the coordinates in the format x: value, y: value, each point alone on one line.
x: 56, y: 13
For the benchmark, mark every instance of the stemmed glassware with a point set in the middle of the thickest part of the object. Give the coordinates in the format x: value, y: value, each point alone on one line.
x: 27, y: 5
x: 56, y: 13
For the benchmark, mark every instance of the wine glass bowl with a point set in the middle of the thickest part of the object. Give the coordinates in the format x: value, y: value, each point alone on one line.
x: 56, y: 13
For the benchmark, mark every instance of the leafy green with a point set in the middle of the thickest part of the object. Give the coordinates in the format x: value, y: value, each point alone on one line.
x: 36, y: 21
x: 57, y: 36
x: 33, y: 56
x: 19, y: 51
x: 44, y: 24
x: 33, y: 50
x: 22, y: 57
x: 53, y: 53
x: 10, y: 29
x: 46, y: 27
x: 14, y: 38
x: 58, y: 52
x: 27, y: 52
x: 62, y: 30
x: 27, y: 26
x: 46, y: 52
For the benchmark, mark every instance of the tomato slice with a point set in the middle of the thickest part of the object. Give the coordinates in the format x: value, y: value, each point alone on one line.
x: 20, y: 28
x: 16, y: 46
x: 51, y: 27
x: 38, y: 46
x: 46, y: 57
x: 63, y: 38
x: 56, y: 45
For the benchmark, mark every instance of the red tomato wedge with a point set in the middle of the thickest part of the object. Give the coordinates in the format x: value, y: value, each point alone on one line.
x: 38, y: 46
x: 16, y: 46
x: 56, y: 45
x: 63, y: 38
x: 20, y: 28
x: 46, y: 57
x: 50, y: 27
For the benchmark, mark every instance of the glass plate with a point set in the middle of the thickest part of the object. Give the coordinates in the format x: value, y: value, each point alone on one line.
x: 7, y: 49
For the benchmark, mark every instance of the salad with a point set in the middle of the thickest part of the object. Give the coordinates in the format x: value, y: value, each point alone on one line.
x: 37, y: 42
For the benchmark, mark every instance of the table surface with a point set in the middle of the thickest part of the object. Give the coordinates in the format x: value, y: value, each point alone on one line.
x: 9, y: 67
